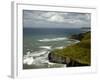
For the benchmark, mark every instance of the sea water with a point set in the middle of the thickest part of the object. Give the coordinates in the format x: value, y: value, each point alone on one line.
x: 38, y: 42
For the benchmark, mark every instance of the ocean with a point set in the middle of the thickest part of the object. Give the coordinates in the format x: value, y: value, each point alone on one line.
x: 38, y: 42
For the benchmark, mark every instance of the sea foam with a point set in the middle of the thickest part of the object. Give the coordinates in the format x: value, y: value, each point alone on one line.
x: 46, y: 47
x: 52, y: 39
x: 37, y: 57
x: 28, y: 60
x: 36, y: 53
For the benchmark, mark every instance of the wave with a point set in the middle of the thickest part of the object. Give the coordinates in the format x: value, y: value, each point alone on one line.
x: 36, y: 58
x: 36, y: 53
x: 28, y: 60
x: 52, y: 39
x: 39, y: 61
x: 46, y: 47
x: 36, y: 61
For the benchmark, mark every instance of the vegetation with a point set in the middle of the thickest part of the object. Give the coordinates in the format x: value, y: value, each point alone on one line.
x: 79, y: 52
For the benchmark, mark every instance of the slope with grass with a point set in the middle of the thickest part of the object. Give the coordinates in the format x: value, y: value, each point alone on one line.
x: 78, y: 54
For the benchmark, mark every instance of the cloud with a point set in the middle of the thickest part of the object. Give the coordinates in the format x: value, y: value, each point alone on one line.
x: 36, y: 18
x: 56, y: 18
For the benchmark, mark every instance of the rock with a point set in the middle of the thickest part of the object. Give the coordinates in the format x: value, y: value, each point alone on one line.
x: 64, y: 60
x: 74, y: 63
x: 78, y: 36
x: 58, y: 59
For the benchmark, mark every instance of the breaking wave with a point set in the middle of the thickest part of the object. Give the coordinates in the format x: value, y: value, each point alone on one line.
x: 39, y: 59
x: 35, y: 57
x: 45, y: 47
x: 52, y: 39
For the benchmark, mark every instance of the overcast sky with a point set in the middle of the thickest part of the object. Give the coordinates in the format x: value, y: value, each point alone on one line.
x: 47, y: 19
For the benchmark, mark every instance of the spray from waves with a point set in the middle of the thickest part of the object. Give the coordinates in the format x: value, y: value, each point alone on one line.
x: 36, y: 53
x: 41, y: 61
x: 35, y: 57
x: 52, y: 39
x: 28, y: 60
x: 40, y: 58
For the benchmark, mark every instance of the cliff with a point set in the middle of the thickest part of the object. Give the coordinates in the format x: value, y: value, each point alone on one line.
x: 80, y: 36
x: 74, y: 55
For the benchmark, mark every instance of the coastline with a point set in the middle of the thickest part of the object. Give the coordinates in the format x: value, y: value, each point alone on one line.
x: 77, y: 54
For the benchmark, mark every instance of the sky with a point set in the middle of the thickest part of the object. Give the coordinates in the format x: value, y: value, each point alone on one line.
x: 47, y: 19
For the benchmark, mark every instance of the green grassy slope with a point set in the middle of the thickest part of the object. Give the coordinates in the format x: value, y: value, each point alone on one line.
x: 80, y: 52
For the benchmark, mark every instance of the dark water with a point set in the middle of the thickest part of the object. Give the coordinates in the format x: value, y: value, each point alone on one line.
x: 52, y: 31
x: 38, y: 42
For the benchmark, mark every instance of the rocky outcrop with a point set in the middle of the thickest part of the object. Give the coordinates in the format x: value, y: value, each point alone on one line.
x: 64, y: 60
x: 58, y: 59
x: 78, y: 36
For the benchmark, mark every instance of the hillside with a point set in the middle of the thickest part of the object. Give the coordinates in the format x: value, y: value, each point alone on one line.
x: 78, y: 54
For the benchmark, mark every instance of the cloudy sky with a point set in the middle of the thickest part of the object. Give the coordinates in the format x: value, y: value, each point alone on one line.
x: 47, y: 19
